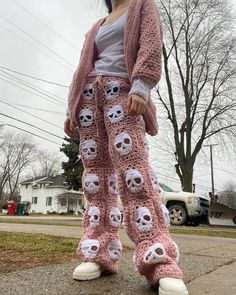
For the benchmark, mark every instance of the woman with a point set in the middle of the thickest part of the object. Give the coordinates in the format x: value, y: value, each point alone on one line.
x: 111, y: 109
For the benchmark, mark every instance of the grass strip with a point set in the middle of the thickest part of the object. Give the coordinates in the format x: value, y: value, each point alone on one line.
x: 59, y: 223
x: 204, y: 232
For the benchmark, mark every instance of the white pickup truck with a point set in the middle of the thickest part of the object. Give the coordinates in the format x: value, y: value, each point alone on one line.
x: 185, y: 208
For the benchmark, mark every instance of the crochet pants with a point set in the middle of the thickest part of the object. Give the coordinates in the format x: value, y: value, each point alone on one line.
x: 114, y: 151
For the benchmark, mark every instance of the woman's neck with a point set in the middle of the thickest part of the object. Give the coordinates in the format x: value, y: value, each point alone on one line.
x: 118, y: 4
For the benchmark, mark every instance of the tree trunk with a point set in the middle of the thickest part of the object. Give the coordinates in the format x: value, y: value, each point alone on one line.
x: 187, y: 180
x: 185, y: 173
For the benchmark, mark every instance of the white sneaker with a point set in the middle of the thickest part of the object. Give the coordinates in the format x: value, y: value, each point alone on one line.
x: 172, y: 286
x: 87, y: 271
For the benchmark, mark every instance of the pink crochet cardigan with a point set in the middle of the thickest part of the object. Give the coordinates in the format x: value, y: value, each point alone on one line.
x: 143, y: 40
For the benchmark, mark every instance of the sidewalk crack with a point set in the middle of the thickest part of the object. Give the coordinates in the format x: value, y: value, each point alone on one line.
x: 208, y: 272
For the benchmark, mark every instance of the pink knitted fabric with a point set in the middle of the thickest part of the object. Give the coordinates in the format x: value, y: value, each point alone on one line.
x: 143, y: 39
x: 114, y: 152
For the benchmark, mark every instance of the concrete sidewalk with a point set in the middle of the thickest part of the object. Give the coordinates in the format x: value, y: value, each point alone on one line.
x: 208, y: 264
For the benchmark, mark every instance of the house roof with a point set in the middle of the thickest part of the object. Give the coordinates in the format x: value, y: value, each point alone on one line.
x: 57, y: 180
x: 35, y: 179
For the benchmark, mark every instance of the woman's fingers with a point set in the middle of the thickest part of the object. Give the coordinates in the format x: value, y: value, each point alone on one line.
x: 136, y: 105
x: 133, y: 107
x: 129, y: 103
x: 139, y: 109
x: 144, y: 108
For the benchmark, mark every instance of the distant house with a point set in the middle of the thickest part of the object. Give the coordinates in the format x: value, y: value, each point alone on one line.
x: 50, y: 194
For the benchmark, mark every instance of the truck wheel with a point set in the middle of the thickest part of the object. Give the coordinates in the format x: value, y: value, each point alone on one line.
x: 178, y: 215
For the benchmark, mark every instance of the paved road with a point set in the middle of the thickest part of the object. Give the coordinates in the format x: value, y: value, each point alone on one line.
x: 208, y: 264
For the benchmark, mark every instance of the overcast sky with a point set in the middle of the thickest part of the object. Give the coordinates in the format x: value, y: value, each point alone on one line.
x: 50, y: 51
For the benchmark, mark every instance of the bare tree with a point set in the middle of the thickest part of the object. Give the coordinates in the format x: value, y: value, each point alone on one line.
x: 17, y: 151
x: 196, y: 92
x: 228, y: 195
x: 48, y: 164
x: 230, y: 187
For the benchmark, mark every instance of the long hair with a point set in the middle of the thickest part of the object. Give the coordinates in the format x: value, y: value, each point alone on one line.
x: 108, y: 5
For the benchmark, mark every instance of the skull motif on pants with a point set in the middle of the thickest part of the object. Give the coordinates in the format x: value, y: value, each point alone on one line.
x: 115, y: 114
x: 143, y: 219
x: 91, y: 183
x: 94, y: 214
x: 86, y: 117
x: 155, y: 182
x: 89, y: 149
x: 112, y: 89
x: 166, y: 215
x: 88, y: 92
x: 123, y: 143
x: 134, y: 180
x: 115, y: 217
x: 114, y: 249
x: 155, y: 254
x: 90, y: 248
x: 113, y: 184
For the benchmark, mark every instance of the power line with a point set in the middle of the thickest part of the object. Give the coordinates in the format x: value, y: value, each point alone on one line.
x: 36, y: 40
x: 31, y: 125
x: 32, y: 86
x: 178, y: 181
x: 34, y: 108
x: 46, y: 25
x: 30, y: 114
x: 35, y: 78
x: 36, y: 48
x: 229, y: 172
x: 32, y: 133
x: 181, y: 105
x: 47, y: 99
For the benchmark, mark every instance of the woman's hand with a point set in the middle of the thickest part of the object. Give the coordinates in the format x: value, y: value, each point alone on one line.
x: 136, y: 105
x: 68, y: 128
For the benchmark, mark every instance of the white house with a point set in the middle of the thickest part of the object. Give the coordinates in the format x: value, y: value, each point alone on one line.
x: 50, y: 194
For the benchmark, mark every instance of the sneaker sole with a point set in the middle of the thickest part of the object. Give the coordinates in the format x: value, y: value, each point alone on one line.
x: 86, y: 277
x: 162, y: 292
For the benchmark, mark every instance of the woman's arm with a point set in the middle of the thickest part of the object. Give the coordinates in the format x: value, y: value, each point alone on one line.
x: 148, y: 63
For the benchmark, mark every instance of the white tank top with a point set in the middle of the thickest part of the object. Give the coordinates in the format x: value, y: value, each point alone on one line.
x: 110, y: 47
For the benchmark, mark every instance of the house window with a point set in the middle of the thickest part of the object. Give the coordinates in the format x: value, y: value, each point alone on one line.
x: 26, y: 186
x: 49, y: 201
x: 41, y: 185
x: 34, y: 200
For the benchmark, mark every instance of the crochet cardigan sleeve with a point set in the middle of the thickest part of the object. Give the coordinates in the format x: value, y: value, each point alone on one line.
x: 148, y: 64
x: 142, y: 88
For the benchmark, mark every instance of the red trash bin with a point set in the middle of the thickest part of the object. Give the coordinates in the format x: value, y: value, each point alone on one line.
x: 11, y: 209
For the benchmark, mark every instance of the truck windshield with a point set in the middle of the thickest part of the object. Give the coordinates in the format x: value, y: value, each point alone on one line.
x: 165, y: 188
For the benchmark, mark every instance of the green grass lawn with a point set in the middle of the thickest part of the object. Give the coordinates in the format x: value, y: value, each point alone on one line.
x: 40, y: 243
x: 23, y: 250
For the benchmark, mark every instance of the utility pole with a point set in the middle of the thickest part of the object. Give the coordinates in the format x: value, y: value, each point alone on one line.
x: 212, y: 170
